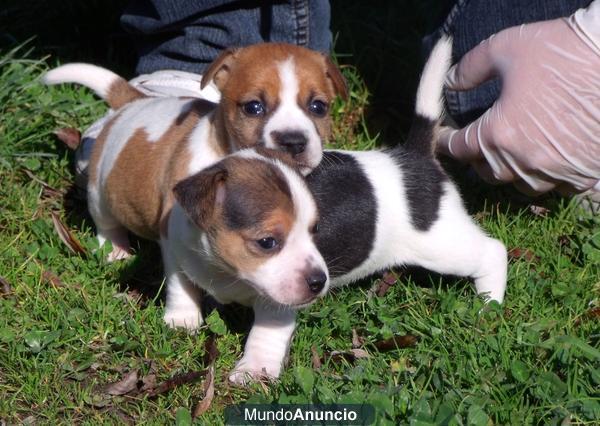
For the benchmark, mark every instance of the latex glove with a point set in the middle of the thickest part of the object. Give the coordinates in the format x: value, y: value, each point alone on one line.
x: 543, y: 132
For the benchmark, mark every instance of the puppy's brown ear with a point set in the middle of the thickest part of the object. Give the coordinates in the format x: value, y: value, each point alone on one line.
x: 336, y: 77
x: 200, y: 194
x: 219, y: 70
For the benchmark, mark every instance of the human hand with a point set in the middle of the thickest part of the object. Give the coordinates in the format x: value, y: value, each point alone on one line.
x: 543, y: 132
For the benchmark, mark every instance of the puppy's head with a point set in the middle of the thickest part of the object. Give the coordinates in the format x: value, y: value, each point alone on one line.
x: 279, y: 96
x: 256, y: 220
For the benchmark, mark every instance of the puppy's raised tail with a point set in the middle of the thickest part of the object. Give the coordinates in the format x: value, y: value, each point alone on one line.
x: 115, y: 90
x: 430, y: 99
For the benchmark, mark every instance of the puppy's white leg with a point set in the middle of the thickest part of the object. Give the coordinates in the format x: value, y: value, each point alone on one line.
x: 108, y: 228
x: 119, y: 239
x: 183, y: 297
x: 455, y: 245
x: 267, y: 345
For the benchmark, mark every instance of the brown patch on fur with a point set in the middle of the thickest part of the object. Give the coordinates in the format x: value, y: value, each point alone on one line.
x: 138, y: 189
x: 98, y: 149
x: 255, y: 203
x: 121, y: 92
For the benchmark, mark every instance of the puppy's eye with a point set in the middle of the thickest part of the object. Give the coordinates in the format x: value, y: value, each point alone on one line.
x: 317, y: 108
x: 268, y: 243
x: 315, y: 228
x: 254, y: 108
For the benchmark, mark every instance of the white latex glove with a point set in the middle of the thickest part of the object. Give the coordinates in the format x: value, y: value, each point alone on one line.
x: 543, y: 132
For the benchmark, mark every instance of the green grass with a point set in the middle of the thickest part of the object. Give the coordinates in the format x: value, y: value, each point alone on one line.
x: 533, y: 360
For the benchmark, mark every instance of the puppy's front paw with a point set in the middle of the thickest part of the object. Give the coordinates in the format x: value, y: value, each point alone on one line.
x: 191, y: 320
x: 247, y: 371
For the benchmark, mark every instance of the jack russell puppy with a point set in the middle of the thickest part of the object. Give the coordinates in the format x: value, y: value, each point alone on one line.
x: 272, y: 95
x: 380, y: 209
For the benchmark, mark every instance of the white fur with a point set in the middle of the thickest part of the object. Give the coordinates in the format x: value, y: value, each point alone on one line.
x: 96, y: 78
x: 453, y: 245
x: 290, y: 117
x: 429, y: 102
x: 201, y: 156
x: 153, y: 115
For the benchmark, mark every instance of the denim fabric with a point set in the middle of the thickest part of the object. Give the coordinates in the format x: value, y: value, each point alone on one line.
x: 188, y: 35
x: 472, y: 21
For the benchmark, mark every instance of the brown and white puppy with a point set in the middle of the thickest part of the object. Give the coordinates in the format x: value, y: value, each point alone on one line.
x: 272, y: 95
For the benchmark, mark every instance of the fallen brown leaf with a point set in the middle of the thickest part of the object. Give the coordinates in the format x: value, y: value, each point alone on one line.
x: 350, y: 356
x: 209, y: 382
x: 525, y: 254
x: 173, y: 382
x: 65, y: 235
x: 6, y: 290
x: 357, y: 341
x: 127, y: 384
x: 148, y: 383
x: 405, y: 341
x: 316, y: 359
x: 539, y: 210
x: 387, y: 281
x: 70, y: 136
x: 209, y: 392
x: 593, y: 313
x: 47, y: 190
x: 52, y: 279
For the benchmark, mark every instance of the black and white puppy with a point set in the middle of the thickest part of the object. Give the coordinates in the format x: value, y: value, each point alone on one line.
x: 395, y: 207
x: 380, y: 209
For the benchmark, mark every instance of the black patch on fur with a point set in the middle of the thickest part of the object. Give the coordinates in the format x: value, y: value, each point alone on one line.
x: 423, y: 176
x: 347, y: 209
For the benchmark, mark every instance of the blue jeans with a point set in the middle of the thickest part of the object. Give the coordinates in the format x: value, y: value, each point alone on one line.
x: 187, y: 35
x: 471, y: 21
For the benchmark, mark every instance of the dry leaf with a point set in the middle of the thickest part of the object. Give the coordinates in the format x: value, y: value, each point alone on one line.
x: 350, y: 356
x: 51, y: 278
x: 525, y: 254
x: 173, y: 382
x: 539, y: 211
x: 209, y: 382
x: 593, y: 313
x: 65, y: 235
x: 148, y: 383
x: 47, y: 190
x: 209, y: 392
x: 316, y: 359
x: 405, y: 341
x: 6, y: 290
x: 70, y: 136
x: 357, y: 341
x: 125, y: 385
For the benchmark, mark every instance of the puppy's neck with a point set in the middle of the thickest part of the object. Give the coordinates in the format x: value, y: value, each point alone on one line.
x: 224, y: 140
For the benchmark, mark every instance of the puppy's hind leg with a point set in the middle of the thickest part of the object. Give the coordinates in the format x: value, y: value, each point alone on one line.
x: 108, y: 228
x: 457, y: 246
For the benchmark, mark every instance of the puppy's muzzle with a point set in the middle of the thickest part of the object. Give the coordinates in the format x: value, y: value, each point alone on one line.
x: 293, y: 142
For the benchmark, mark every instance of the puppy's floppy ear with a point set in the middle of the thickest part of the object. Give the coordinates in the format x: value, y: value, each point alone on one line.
x: 219, y: 70
x: 200, y: 194
x: 336, y: 77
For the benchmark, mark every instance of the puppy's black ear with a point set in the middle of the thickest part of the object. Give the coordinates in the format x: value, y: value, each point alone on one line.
x: 219, y: 70
x: 199, y: 195
x: 336, y: 77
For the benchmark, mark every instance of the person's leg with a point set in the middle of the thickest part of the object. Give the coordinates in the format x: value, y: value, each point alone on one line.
x: 472, y: 21
x: 188, y: 35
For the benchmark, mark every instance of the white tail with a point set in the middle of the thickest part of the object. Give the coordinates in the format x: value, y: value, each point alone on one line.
x: 430, y: 92
x: 96, y: 78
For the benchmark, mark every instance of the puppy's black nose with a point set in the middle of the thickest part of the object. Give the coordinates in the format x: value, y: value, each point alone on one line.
x: 293, y: 142
x: 316, y: 281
